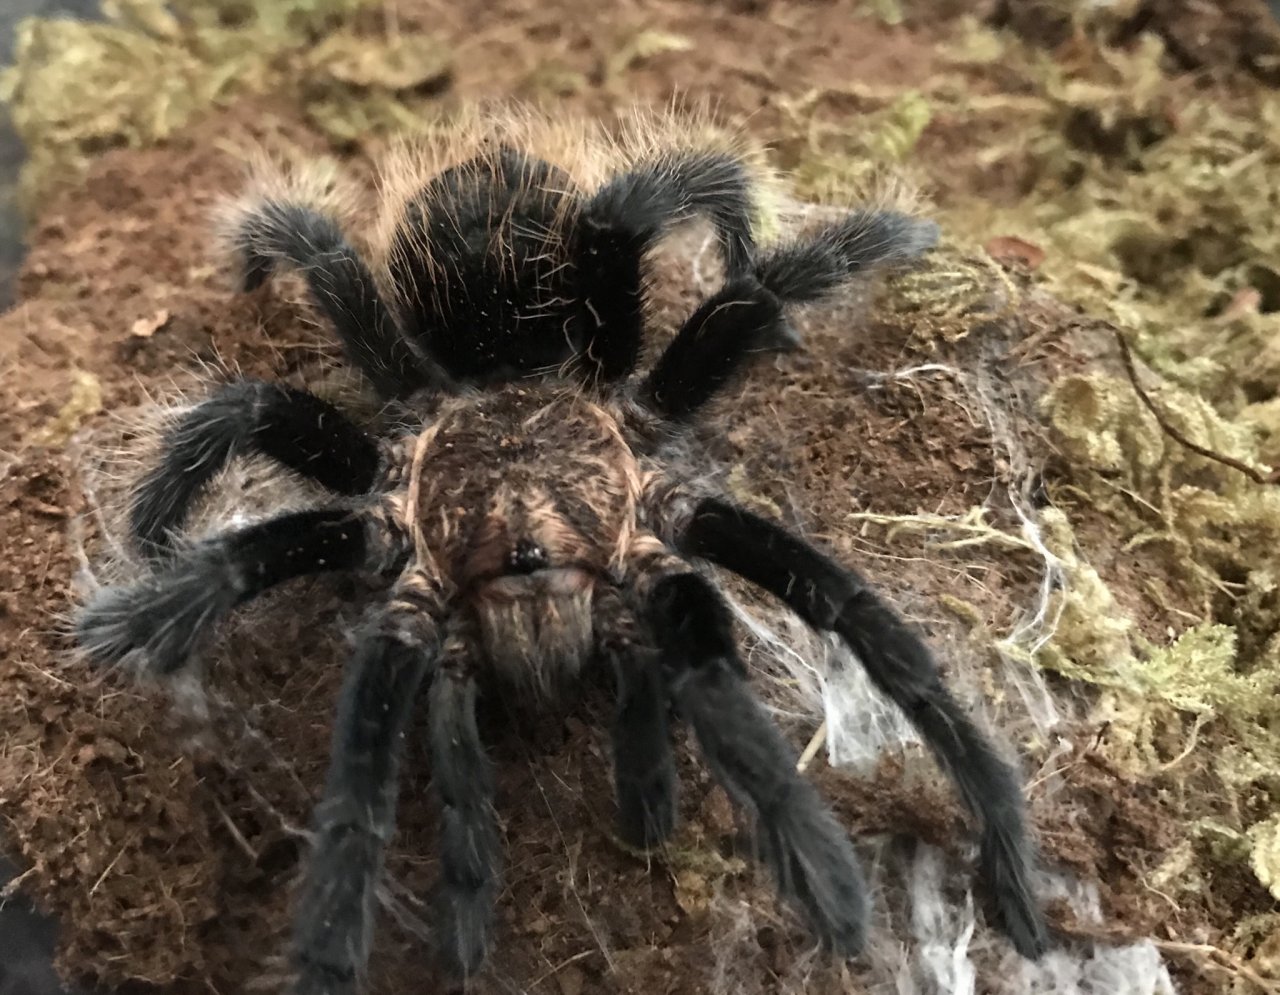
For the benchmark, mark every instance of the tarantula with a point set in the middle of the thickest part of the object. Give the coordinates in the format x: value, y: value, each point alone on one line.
x: 535, y: 527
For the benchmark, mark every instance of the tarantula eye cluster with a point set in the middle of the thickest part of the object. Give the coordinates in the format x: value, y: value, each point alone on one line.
x: 528, y: 521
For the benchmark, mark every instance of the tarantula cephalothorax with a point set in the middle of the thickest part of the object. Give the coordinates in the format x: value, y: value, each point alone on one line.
x: 537, y: 527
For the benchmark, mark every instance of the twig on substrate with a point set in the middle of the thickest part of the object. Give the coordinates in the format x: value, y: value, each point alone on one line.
x: 557, y: 968
x: 1253, y: 473
x: 236, y: 835
x: 815, y: 744
x: 874, y: 379
x: 1220, y: 960
x: 115, y: 860
x: 13, y: 884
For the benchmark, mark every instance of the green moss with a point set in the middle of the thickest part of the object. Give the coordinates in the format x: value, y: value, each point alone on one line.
x: 78, y: 88
x: 841, y: 157
x: 954, y: 291
x: 1154, y: 204
x: 70, y: 97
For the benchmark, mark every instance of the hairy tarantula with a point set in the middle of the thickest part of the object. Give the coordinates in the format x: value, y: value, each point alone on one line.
x: 533, y: 527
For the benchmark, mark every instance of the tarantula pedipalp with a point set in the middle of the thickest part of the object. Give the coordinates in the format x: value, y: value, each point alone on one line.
x: 537, y: 527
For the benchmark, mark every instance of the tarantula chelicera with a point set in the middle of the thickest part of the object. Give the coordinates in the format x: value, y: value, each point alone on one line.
x: 533, y: 527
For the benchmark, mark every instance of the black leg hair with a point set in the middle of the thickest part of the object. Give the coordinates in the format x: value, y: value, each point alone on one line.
x: 832, y: 598
x: 471, y: 855
x: 333, y: 930
x: 644, y: 768
x: 479, y: 271
x: 711, y: 347
x: 746, y: 315
x: 165, y: 614
x: 297, y: 429
x: 801, y: 841
x: 816, y: 264
x: 627, y: 216
x: 341, y: 287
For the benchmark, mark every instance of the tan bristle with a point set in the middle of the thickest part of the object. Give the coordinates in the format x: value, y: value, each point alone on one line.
x: 585, y: 149
x: 318, y: 183
x: 881, y: 190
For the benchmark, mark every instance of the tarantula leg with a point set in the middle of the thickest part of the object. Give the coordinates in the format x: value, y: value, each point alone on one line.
x: 644, y: 769
x: 624, y: 219
x: 471, y: 857
x: 746, y: 316
x: 711, y: 347
x: 296, y: 429
x: 333, y: 930
x: 816, y: 264
x: 165, y: 614
x: 341, y: 287
x: 832, y: 598
x: 804, y: 845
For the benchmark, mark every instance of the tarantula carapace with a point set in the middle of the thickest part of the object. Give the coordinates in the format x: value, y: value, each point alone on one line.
x: 537, y: 526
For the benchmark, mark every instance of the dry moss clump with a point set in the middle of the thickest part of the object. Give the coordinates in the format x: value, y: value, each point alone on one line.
x: 1217, y: 528
x: 1145, y: 197
x: 1154, y: 199
x: 77, y: 89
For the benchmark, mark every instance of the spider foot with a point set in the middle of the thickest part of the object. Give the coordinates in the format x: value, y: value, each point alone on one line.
x: 464, y: 920
x: 160, y: 619
x: 647, y: 814
x: 816, y: 867
x: 1005, y: 861
x: 783, y: 338
x: 335, y: 913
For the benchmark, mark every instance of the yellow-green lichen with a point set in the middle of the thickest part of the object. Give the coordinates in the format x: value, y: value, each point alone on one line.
x: 951, y: 293
x: 78, y: 88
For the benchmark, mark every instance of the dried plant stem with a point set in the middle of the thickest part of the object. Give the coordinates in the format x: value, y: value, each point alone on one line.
x: 1257, y: 476
x: 811, y: 751
x: 1222, y: 961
